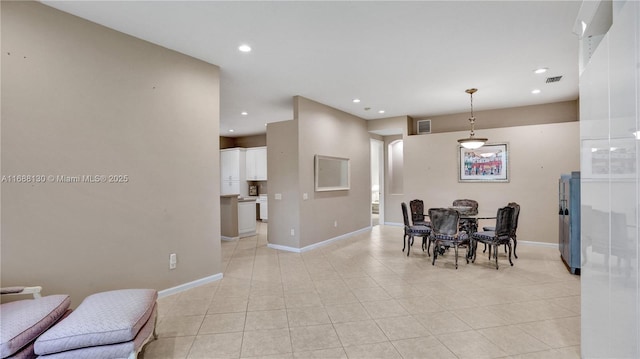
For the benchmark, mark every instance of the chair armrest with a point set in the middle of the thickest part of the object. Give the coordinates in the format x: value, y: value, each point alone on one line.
x: 35, y: 291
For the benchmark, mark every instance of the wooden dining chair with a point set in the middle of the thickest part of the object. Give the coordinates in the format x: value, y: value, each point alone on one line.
x: 411, y: 231
x: 417, y: 213
x: 470, y: 207
x: 514, y: 228
x: 494, y: 239
x: 445, y: 232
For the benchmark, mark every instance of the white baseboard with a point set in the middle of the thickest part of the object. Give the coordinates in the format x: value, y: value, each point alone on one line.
x: 316, y: 245
x: 394, y: 224
x: 539, y: 244
x: 224, y: 238
x: 190, y: 285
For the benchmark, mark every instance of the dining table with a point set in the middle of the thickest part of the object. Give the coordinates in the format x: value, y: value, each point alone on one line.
x: 469, y: 222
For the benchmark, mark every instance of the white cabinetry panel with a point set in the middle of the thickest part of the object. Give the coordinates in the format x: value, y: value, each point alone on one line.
x: 256, y: 165
x: 246, y: 218
x: 232, y: 171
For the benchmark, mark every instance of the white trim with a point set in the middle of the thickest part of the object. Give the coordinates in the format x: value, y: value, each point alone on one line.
x: 283, y: 248
x: 224, y: 238
x: 189, y: 285
x: 394, y: 224
x: 539, y: 244
x: 317, y: 245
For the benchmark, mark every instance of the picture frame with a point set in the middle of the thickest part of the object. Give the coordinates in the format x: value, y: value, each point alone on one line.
x: 332, y: 173
x: 489, y: 163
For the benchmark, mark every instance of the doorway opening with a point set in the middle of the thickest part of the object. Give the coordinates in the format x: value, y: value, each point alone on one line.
x: 377, y: 182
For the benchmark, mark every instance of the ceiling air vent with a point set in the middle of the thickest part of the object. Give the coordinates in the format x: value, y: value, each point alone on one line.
x: 553, y: 79
x: 424, y: 126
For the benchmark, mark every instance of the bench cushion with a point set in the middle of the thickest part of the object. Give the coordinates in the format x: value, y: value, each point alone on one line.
x: 112, y: 351
x: 24, y: 320
x: 103, y: 318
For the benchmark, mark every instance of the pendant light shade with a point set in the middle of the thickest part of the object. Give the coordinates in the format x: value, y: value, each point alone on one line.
x: 472, y: 142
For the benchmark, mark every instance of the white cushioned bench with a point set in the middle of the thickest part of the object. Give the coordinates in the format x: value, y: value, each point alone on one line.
x: 114, y: 324
x: 24, y: 320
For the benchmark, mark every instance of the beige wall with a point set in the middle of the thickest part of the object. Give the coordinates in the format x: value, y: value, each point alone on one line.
x: 430, y: 163
x: 80, y: 99
x: 227, y: 142
x: 538, y: 155
x: 243, y: 141
x: 282, y: 170
x: 326, y: 131
x: 396, y: 125
x: 566, y: 111
x: 291, y: 147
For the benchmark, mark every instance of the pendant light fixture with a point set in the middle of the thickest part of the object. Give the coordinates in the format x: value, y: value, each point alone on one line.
x: 472, y: 142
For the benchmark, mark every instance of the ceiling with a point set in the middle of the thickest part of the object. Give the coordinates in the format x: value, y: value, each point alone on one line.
x: 413, y: 58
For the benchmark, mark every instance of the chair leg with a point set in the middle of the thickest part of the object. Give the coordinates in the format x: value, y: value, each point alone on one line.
x: 410, y: 243
x: 404, y: 242
x: 475, y: 250
x: 509, y: 244
x: 496, y: 254
x: 455, y: 246
x: 515, y: 244
x: 435, y: 253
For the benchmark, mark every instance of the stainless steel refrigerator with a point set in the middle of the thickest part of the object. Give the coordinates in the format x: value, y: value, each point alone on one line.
x: 569, y: 219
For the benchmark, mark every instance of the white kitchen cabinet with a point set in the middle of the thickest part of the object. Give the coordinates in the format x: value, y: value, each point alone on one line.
x: 229, y: 187
x: 256, y: 164
x: 263, y: 201
x: 233, y: 171
x: 246, y: 218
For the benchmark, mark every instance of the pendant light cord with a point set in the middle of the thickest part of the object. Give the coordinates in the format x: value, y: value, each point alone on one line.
x: 472, y: 119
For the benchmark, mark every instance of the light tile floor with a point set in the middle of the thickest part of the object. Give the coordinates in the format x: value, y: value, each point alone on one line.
x: 362, y: 297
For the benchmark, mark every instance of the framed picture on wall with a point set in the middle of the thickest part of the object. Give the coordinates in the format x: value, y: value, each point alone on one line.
x: 489, y: 163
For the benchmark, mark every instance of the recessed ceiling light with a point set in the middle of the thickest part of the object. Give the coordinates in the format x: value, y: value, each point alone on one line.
x: 244, y: 113
x: 244, y: 48
x: 540, y: 70
x: 381, y: 111
x: 536, y: 91
x: 356, y: 100
x: 231, y: 130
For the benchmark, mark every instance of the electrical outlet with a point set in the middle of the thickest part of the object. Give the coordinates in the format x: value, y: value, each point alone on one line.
x: 305, y: 196
x: 293, y: 232
x: 278, y: 196
x: 335, y: 223
x: 173, y: 261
